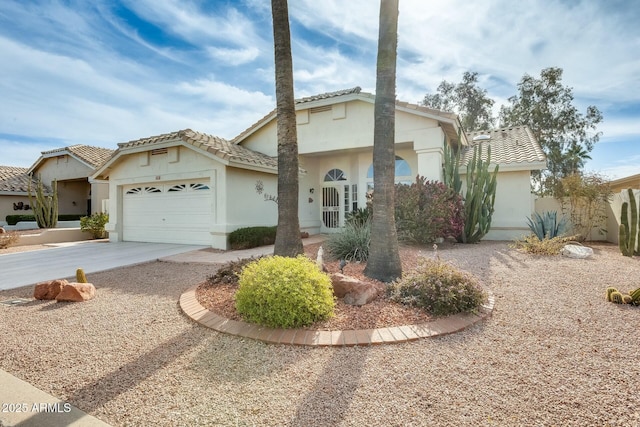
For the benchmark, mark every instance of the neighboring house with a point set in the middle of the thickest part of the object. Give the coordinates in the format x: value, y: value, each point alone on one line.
x: 620, y: 184
x: 188, y: 187
x: 71, y: 167
x: 14, y: 192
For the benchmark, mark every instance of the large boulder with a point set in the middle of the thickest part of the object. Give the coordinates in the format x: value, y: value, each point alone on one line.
x: 354, y: 291
x: 49, y: 290
x: 77, y: 292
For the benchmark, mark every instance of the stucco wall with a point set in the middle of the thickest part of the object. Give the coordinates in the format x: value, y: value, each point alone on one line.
x: 545, y: 204
x: 245, y: 207
x: 512, y: 206
x: 62, y: 168
x: 6, y: 206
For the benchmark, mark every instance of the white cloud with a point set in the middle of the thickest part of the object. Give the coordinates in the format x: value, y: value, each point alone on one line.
x: 233, y: 57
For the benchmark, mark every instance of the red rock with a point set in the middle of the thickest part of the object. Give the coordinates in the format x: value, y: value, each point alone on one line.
x: 354, y: 291
x: 77, y: 292
x: 49, y: 290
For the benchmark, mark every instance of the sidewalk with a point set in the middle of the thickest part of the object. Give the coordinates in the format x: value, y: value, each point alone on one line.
x: 24, y: 405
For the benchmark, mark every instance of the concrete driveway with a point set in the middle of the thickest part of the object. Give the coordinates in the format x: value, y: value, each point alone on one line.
x: 28, y: 268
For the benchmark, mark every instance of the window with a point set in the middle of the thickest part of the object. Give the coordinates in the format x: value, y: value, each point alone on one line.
x: 403, y: 173
x: 335, y: 175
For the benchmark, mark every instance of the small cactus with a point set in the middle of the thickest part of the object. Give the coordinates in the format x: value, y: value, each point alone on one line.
x: 635, y: 296
x: 626, y: 299
x: 80, y: 276
x: 610, y: 290
x: 616, y: 297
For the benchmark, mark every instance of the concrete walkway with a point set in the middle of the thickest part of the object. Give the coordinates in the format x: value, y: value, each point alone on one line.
x: 26, y: 406
x: 27, y: 268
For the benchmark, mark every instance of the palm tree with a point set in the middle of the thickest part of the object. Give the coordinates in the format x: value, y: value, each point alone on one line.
x: 574, y: 159
x: 384, y: 258
x: 288, y: 241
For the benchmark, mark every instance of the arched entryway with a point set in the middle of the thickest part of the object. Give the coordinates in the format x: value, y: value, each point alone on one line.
x: 339, y: 197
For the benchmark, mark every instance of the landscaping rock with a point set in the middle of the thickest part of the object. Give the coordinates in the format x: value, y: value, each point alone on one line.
x: 49, y: 290
x: 354, y: 291
x: 77, y: 292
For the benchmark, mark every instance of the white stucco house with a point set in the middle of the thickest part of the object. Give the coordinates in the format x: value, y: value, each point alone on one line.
x: 189, y: 187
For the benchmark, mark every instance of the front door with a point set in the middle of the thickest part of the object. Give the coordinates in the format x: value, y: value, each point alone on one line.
x: 331, y: 208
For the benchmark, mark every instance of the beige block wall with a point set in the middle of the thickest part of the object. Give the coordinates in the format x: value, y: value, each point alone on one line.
x: 545, y: 204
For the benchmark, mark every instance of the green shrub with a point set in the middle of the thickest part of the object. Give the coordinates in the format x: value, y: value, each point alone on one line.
x: 531, y: 244
x: 352, y: 243
x: 8, y: 238
x: 281, y: 292
x: 94, y: 224
x: 438, y: 288
x: 14, y: 219
x: 252, y: 237
x: 426, y: 211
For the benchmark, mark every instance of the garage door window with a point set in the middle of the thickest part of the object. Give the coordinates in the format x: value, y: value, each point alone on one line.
x: 144, y: 190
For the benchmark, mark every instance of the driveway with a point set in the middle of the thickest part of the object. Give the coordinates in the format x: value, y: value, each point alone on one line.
x: 27, y: 268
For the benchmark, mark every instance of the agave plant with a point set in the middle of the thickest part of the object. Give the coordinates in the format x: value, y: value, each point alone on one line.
x: 547, y: 226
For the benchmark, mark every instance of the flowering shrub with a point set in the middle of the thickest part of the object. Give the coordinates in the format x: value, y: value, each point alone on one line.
x: 427, y: 210
x: 438, y: 288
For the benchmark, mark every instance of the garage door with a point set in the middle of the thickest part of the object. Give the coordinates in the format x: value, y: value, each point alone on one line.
x: 176, y: 212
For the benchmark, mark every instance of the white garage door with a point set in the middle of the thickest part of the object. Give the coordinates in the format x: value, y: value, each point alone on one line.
x: 176, y: 212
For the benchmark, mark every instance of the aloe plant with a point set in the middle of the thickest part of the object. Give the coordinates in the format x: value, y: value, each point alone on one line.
x: 547, y: 226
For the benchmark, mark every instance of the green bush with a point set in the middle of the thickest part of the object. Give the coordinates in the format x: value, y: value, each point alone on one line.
x: 252, y: 237
x: 352, y: 243
x: 438, y: 288
x: 281, y: 292
x: 426, y: 211
x: 94, y: 224
x: 14, y: 219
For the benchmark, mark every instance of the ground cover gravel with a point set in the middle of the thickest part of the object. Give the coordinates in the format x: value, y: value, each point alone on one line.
x: 554, y: 353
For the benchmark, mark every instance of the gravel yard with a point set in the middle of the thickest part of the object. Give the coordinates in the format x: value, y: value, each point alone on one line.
x: 554, y: 353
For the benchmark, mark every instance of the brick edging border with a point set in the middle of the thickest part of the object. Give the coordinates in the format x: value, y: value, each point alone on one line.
x: 397, y: 334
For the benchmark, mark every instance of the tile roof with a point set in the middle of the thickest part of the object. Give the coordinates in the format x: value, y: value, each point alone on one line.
x: 93, y: 156
x: 217, y: 146
x: 14, y: 179
x: 509, y: 146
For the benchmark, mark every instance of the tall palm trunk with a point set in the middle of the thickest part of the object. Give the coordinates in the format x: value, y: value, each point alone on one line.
x: 384, y: 258
x: 288, y: 241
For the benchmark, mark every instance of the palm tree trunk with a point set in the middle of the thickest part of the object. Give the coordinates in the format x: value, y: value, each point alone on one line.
x: 384, y: 258
x: 288, y: 242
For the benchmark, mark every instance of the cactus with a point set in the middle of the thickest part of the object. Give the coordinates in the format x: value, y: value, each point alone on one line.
x: 616, y: 297
x: 628, y: 233
x: 610, y: 290
x: 635, y: 296
x: 626, y: 299
x: 480, y: 196
x: 80, y: 276
x: 450, y: 172
x: 45, y: 207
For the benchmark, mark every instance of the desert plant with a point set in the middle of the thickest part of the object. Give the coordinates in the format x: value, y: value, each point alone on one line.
x: 616, y: 297
x: 547, y: 226
x: 229, y: 272
x: 439, y: 288
x: 480, y: 197
x: 80, y: 276
x: 609, y: 291
x: 628, y: 231
x: 284, y: 292
x: 427, y: 210
x: 450, y: 173
x: 94, y: 224
x: 531, y: 244
x: 358, y: 216
x: 351, y: 243
x: 252, y: 237
x: 45, y: 206
x: 8, y: 238
x: 635, y: 296
x: 584, y: 199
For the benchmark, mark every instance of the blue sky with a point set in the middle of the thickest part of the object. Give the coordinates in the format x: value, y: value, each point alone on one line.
x: 101, y: 72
